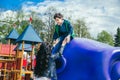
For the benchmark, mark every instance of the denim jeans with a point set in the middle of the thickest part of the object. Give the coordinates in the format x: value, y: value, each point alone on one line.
x: 58, y: 45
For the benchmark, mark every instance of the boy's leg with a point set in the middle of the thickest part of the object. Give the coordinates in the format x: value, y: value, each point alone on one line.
x: 55, y: 53
x: 61, y: 50
x: 62, y: 47
x: 56, y: 49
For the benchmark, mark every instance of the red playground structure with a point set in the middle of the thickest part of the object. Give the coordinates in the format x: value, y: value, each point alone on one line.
x: 17, y: 61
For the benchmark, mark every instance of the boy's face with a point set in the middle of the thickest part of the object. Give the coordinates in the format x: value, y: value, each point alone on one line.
x: 59, y: 21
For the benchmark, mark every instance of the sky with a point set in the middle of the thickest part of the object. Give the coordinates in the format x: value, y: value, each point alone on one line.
x: 98, y: 14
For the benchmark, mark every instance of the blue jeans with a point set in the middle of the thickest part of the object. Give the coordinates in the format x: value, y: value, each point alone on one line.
x: 55, y: 50
x: 58, y: 45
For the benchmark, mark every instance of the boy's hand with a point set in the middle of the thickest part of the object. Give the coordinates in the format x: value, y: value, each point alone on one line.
x: 55, y: 42
x: 67, y: 39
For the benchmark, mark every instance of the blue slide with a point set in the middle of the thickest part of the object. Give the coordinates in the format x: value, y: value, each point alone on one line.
x: 85, y: 59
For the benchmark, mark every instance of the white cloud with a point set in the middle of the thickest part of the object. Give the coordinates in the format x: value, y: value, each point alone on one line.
x: 8, y: 14
x: 98, y: 14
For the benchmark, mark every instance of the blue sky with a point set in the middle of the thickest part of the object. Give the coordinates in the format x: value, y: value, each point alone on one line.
x: 98, y: 14
x: 15, y: 4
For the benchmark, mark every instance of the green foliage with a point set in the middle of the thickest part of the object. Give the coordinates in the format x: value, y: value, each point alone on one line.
x: 117, y: 38
x: 39, y: 27
x: 20, y: 26
x: 105, y: 37
x: 4, y: 31
x: 81, y: 30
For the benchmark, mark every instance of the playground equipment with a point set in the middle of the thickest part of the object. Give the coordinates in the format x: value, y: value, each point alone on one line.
x: 13, y: 63
x: 86, y: 59
x: 28, y: 36
x: 7, y: 57
x: 7, y: 60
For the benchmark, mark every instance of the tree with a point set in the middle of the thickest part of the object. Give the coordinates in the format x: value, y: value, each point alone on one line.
x: 81, y: 30
x: 39, y: 27
x: 20, y: 26
x: 5, y: 28
x: 4, y: 31
x: 50, y: 23
x: 105, y: 37
x: 20, y: 15
x: 20, y: 22
x: 117, y: 38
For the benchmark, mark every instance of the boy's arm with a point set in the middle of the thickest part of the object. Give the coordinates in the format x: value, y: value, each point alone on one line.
x: 70, y: 31
x: 55, y: 42
x: 70, y: 28
x: 55, y: 38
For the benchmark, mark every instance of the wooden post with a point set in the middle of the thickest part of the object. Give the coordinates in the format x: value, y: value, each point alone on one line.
x: 0, y: 47
x: 14, y: 68
x: 16, y: 63
x: 10, y: 52
x: 21, y: 60
x: 8, y: 41
x: 4, y: 75
x: 32, y: 55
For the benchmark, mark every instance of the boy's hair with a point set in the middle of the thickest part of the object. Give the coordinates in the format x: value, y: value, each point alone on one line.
x: 58, y: 15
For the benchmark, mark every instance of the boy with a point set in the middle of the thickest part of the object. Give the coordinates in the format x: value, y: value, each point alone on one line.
x: 63, y: 34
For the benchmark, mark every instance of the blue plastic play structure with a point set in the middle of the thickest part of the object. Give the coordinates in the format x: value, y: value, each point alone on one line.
x: 85, y: 59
